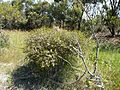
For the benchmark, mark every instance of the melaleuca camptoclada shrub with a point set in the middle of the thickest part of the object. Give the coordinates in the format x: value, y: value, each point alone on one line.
x: 48, y: 48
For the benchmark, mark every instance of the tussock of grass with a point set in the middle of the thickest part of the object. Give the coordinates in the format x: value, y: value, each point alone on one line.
x: 14, y: 53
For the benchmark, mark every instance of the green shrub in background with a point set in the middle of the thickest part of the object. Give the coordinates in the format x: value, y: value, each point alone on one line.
x: 4, y: 40
x: 110, y: 47
x: 48, y: 47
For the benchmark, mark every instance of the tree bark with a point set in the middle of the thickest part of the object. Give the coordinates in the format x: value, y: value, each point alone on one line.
x: 80, y: 20
x: 112, y: 30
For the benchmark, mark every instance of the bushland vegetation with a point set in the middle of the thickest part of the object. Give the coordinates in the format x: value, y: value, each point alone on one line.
x: 59, y: 45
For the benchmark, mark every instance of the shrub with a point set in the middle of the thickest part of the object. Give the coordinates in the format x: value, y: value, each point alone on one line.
x: 53, y: 54
x: 48, y: 48
x: 4, y: 40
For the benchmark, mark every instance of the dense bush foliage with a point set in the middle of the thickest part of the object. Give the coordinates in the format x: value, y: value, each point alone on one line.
x: 55, y: 52
x: 48, y: 48
x: 4, y: 40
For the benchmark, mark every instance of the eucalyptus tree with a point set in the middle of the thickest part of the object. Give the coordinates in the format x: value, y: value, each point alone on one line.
x: 75, y: 11
x: 111, y: 18
x: 58, y: 10
x: 39, y: 15
x: 68, y: 13
x: 11, y: 16
x: 109, y: 13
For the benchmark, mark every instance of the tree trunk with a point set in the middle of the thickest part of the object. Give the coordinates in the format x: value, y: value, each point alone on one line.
x: 79, y: 21
x: 112, y: 30
x: 63, y: 24
x: 60, y: 24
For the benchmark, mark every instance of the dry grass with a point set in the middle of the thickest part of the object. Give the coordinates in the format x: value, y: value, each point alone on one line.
x: 13, y: 55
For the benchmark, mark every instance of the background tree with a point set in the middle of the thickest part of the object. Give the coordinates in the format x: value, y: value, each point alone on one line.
x: 111, y: 18
x: 69, y: 14
x: 10, y: 15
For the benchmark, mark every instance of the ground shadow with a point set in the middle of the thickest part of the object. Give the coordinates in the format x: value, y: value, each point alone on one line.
x: 28, y: 77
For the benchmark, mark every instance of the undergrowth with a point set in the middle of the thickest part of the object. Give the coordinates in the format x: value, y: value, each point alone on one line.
x: 108, y: 65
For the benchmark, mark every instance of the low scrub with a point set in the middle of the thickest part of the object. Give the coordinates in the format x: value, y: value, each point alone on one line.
x: 47, y: 48
x: 56, y: 51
